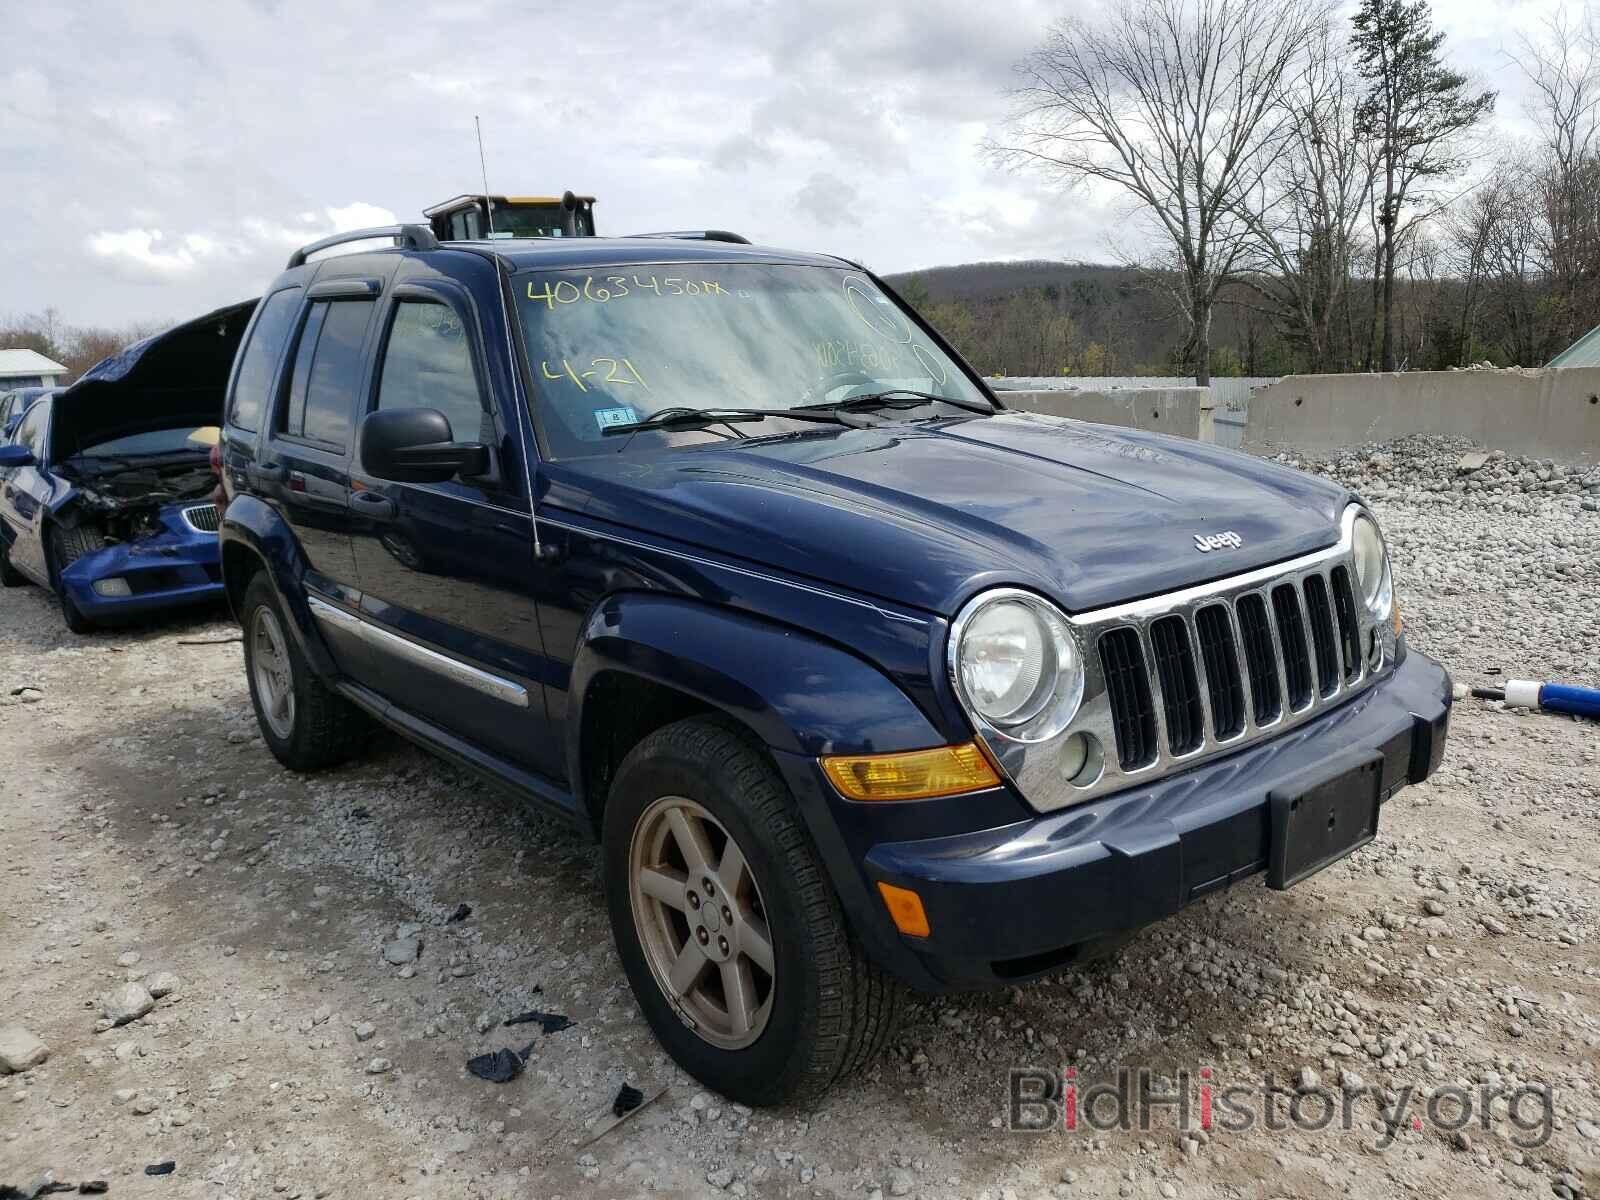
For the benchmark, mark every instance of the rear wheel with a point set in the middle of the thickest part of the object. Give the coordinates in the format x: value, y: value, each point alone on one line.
x: 305, y: 724
x: 727, y: 926
x: 67, y: 546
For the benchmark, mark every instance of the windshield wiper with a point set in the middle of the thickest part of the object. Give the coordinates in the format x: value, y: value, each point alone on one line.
x: 681, y: 417
x: 894, y: 398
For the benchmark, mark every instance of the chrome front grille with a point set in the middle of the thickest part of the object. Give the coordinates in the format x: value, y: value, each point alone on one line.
x: 1300, y: 637
x: 202, y: 518
x: 1177, y: 679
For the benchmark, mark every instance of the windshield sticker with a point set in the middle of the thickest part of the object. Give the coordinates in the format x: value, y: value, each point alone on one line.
x: 623, y: 414
x: 614, y: 287
x: 615, y: 371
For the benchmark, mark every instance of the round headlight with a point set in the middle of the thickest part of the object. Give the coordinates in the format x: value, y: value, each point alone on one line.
x: 1372, y: 567
x: 1017, y: 666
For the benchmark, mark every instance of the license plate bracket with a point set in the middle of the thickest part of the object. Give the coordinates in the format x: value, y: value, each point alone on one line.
x: 1321, y: 816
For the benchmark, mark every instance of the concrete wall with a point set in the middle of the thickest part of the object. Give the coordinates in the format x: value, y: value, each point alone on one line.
x: 1184, y: 411
x: 1540, y: 412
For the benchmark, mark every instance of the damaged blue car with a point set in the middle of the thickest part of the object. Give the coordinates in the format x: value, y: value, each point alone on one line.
x: 105, y: 487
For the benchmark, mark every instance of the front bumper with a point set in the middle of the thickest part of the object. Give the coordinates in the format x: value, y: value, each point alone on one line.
x: 1009, y: 902
x: 169, y: 569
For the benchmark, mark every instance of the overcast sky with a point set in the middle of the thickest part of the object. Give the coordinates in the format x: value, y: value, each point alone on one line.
x: 158, y: 159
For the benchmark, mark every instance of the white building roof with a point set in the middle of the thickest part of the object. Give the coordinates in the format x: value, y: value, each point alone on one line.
x: 28, y: 362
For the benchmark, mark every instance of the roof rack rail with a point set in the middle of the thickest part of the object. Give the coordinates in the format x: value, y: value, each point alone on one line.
x: 412, y: 237
x: 699, y: 235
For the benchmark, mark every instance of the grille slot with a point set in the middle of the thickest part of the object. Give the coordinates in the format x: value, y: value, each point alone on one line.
x: 1223, y: 684
x: 1180, y: 689
x: 203, y: 517
x: 1128, y: 688
x: 1292, y: 638
x: 1320, y: 613
x: 1344, y: 604
x: 1260, y: 658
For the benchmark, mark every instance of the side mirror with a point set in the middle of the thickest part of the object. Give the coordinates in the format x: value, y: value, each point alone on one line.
x: 15, y: 456
x: 415, y: 445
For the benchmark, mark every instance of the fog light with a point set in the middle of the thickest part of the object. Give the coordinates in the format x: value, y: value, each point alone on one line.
x: 1081, y: 760
x: 113, y: 587
x: 905, y: 908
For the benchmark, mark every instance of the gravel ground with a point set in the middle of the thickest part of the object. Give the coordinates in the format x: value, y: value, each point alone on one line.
x: 148, y: 838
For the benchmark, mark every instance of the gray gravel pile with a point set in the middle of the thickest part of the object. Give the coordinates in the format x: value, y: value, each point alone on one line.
x: 1436, y: 469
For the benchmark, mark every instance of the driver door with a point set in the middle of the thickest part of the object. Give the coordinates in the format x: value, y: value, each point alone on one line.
x: 446, y: 569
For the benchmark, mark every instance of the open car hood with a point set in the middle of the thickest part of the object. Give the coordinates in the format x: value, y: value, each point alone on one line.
x: 168, y: 381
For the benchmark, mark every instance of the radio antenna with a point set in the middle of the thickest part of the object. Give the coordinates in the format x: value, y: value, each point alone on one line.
x: 488, y: 204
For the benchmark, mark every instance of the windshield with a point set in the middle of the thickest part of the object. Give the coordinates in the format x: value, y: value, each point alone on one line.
x: 539, y: 220
x: 159, y: 441
x: 612, y: 345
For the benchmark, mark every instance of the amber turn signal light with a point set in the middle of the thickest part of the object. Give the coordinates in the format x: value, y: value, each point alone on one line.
x: 905, y: 909
x: 913, y: 774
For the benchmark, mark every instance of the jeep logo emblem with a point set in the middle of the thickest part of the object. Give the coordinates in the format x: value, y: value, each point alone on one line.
x: 1226, y: 540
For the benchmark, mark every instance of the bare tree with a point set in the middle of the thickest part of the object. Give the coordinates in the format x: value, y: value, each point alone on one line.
x: 1562, y: 67
x: 1416, y: 110
x: 1177, y: 104
x: 1475, y: 232
x: 1305, y: 227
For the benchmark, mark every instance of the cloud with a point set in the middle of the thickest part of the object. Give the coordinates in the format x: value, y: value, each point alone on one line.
x: 829, y: 200
x: 155, y: 165
x: 142, y: 254
x: 152, y: 256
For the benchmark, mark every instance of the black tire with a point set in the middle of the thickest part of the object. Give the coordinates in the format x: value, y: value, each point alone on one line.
x: 831, y: 1010
x: 323, y: 728
x: 9, y: 576
x: 67, y: 546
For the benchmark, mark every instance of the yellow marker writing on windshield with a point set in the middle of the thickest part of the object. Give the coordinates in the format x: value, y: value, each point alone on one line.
x: 612, y: 367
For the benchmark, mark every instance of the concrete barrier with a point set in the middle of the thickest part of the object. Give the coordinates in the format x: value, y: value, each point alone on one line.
x: 1540, y: 412
x: 1184, y: 411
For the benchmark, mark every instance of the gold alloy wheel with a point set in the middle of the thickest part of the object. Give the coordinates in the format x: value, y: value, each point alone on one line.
x: 274, y: 676
x: 700, y: 919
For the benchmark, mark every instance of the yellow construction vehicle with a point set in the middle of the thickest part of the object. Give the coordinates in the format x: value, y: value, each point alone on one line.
x: 471, y: 218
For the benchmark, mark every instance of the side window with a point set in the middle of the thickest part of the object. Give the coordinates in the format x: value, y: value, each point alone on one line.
x: 261, y: 357
x: 428, y: 364
x: 31, y: 432
x: 327, y: 372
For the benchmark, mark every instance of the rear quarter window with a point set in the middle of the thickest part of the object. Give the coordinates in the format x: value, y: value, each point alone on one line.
x: 258, y: 362
x: 327, y: 372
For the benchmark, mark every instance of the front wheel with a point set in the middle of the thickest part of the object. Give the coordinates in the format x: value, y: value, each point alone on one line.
x: 727, y: 926
x: 306, y: 725
x: 67, y: 546
x: 9, y: 576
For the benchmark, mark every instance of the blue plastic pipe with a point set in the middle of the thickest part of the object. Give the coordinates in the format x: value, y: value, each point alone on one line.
x: 1551, y: 697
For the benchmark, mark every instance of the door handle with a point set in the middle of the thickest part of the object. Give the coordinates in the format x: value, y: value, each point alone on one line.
x: 372, y: 504
x: 268, y: 472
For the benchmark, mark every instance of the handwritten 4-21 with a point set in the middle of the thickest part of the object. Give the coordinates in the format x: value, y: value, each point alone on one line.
x: 616, y: 371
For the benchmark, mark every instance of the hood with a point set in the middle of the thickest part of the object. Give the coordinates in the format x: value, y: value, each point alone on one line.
x: 927, y: 514
x: 168, y: 381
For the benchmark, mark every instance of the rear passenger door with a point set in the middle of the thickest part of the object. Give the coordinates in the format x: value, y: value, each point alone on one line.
x: 446, y: 570
x: 302, y: 463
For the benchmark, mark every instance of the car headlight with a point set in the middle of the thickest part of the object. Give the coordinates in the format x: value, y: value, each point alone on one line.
x: 1017, y: 665
x: 1372, y: 567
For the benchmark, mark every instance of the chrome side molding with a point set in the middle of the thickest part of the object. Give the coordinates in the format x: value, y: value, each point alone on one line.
x: 479, y: 680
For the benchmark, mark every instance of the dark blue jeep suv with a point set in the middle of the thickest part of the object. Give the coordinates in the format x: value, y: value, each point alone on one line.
x: 860, y: 679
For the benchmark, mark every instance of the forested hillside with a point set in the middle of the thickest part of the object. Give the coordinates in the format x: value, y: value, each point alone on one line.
x: 1065, y: 318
